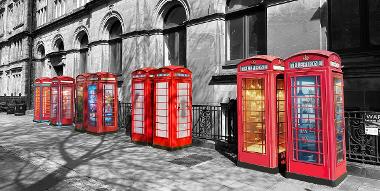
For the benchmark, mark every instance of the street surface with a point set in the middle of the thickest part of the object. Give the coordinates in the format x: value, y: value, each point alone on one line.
x: 40, y: 157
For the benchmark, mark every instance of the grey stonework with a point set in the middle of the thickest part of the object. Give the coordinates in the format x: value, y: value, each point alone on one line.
x: 291, y: 27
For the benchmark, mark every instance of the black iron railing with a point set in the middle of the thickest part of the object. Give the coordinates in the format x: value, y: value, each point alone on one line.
x: 209, y: 122
x: 361, y: 147
x: 125, y: 116
x: 215, y: 122
x: 12, y: 99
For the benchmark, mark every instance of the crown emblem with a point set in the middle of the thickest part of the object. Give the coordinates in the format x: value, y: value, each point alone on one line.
x: 305, y: 57
x: 253, y: 61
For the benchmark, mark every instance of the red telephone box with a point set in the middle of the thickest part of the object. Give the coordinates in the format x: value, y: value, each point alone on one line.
x: 142, y: 105
x: 62, y: 100
x: 261, y: 106
x: 102, y: 103
x: 172, y: 107
x: 316, y: 139
x: 42, y: 99
x: 81, y: 100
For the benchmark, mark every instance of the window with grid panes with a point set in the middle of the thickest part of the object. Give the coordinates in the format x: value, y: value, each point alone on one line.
x: 109, y: 104
x: 246, y: 30
x: 306, y: 119
x: 338, y: 117
x: 254, y: 115
x: 37, y: 100
x: 66, y: 102
x: 175, y: 36
x: 183, y: 110
x: 162, y: 106
x: 281, y: 115
x: 41, y: 12
x: 46, y: 100
x: 54, y: 101
x: 138, y: 108
x: 92, y: 100
x: 79, y: 102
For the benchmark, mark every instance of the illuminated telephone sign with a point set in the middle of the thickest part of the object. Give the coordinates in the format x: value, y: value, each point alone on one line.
x: 102, y: 103
x: 261, y: 113
x: 42, y: 99
x: 81, y: 100
x: 316, y: 140
x: 62, y: 101
x: 142, y: 106
x: 172, y: 113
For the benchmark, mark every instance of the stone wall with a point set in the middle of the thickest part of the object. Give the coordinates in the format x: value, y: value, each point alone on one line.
x: 292, y: 26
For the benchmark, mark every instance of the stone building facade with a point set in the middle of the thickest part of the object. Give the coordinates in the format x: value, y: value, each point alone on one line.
x: 209, y: 37
x: 15, y: 49
x: 155, y: 33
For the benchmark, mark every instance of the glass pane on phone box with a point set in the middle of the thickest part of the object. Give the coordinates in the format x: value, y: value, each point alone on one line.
x: 138, y: 117
x: 162, y: 105
x: 161, y: 134
x: 162, y: 91
x: 138, y: 130
x: 183, y: 134
x: 139, y: 86
x: 138, y: 111
x: 139, y: 92
x: 162, y: 113
x: 308, y: 157
x: 162, y: 98
x: 182, y: 113
x: 138, y: 124
x: 139, y: 105
x: 161, y: 126
x: 183, y: 126
x: 182, y: 85
x: 182, y: 92
x: 307, y: 146
x: 306, y: 81
x: 183, y: 119
x: 161, y: 119
x: 162, y: 85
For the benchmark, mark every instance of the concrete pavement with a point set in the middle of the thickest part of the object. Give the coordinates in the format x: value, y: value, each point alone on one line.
x: 40, y: 157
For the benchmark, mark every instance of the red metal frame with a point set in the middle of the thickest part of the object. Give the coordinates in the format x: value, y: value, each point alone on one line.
x: 42, y: 99
x: 172, y: 114
x: 102, y: 113
x: 62, y: 100
x: 262, y: 69
x: 313, y: 155
x: 142, y: 105
x: 81, y: 100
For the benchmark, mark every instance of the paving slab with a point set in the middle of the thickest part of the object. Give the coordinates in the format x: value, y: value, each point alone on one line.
x: 59, y: 158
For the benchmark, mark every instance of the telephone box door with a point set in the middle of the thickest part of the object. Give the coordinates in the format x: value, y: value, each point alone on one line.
x: 109, y: 107
x: 54, y: 115
x: 162, y: 120
x: 138, y: 127
x: 253, y: 118
x: 37, y: 103
x: 183, y: 112
x: 66, y: 114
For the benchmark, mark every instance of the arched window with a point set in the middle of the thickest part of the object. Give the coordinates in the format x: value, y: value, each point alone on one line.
x: 115, y: 30
x: 59, y: 45
x: 57, y: 59
x: 83, y: 42
x: 175, y: 36
x: 246, y: 29
x: 40, y: 52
